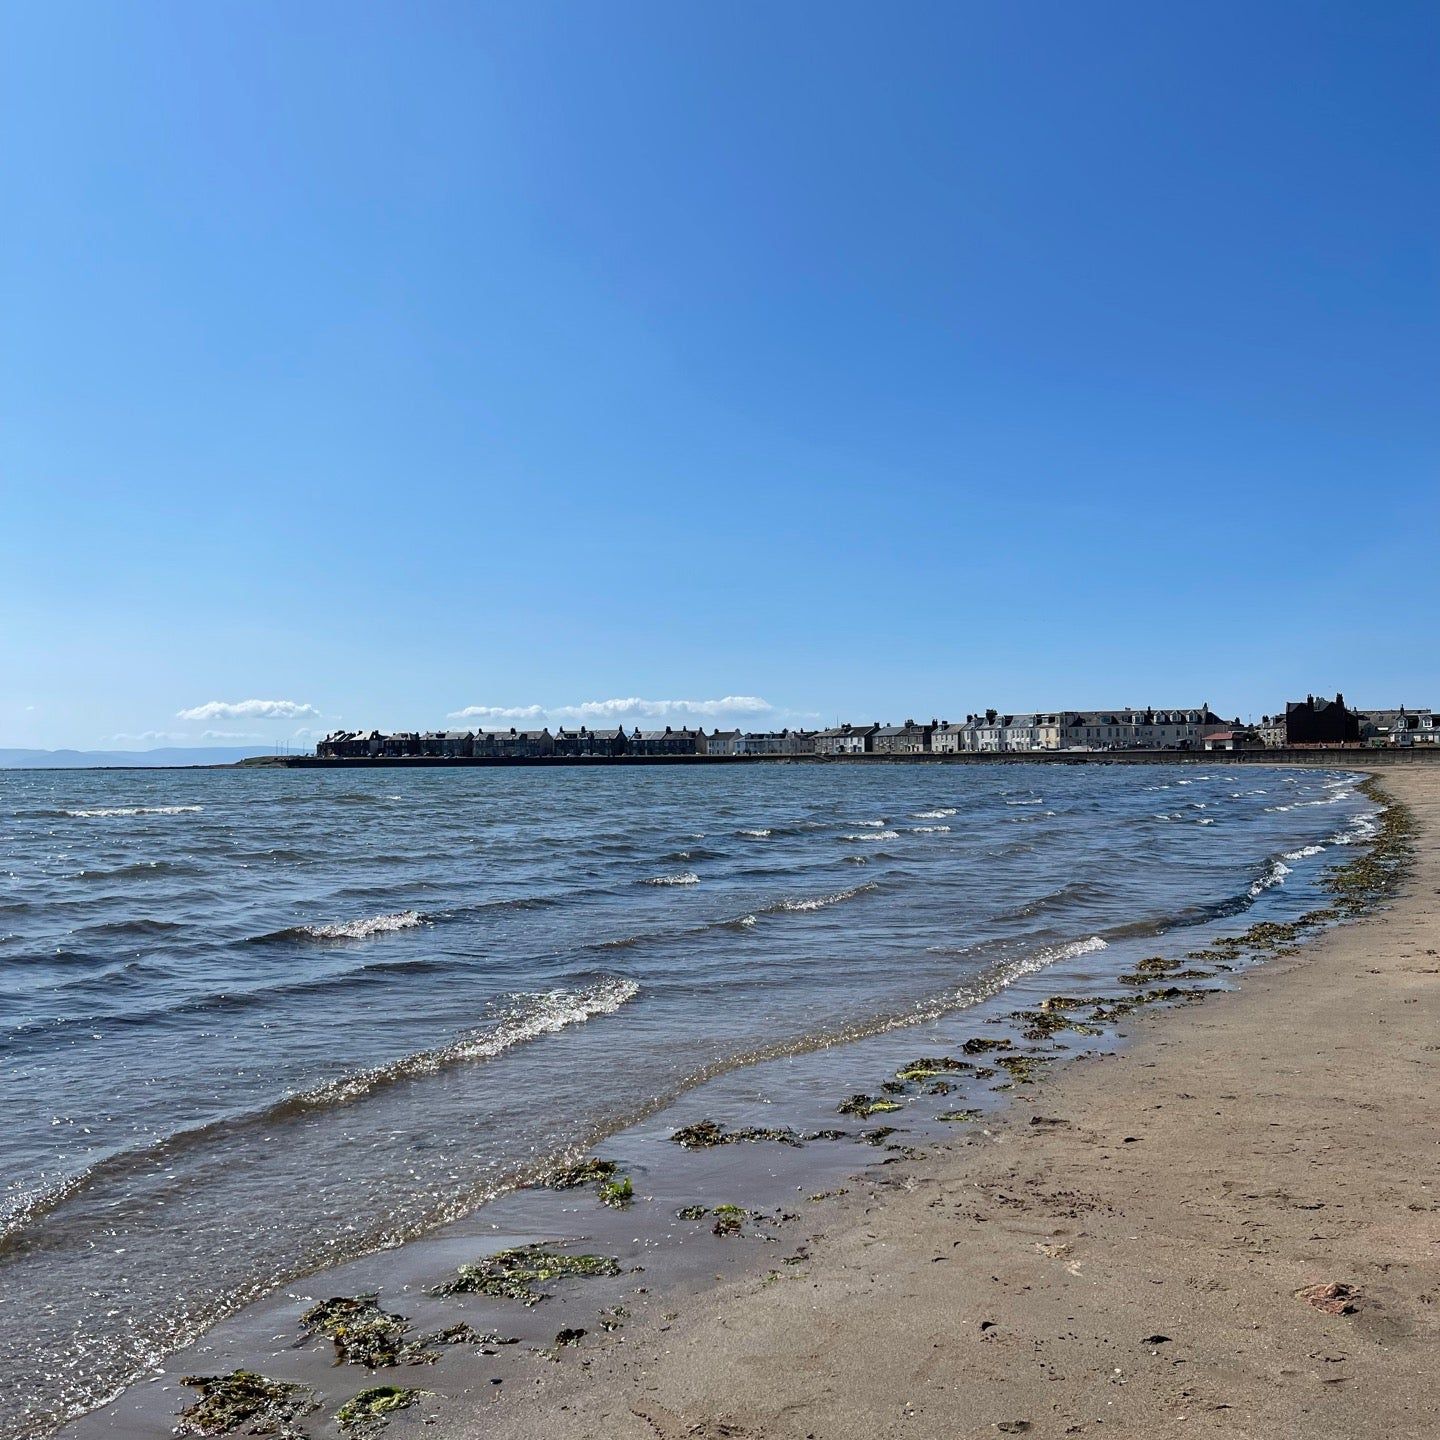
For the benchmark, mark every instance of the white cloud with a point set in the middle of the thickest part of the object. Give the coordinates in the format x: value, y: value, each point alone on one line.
x: 638, y: 708
x: 633, y: 707
x: 498, y: 712
x: 145, y: 737
x: 248, y: 710
x: 230, y: 735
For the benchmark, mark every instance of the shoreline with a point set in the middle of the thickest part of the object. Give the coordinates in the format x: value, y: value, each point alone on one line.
x: 762, y: 1175
x: 1229, y: 1226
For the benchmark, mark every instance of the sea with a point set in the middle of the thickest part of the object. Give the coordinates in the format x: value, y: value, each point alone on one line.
x: 254, y: 1022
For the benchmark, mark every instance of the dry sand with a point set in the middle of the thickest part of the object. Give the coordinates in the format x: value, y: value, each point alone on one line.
x: 1123, y: 1254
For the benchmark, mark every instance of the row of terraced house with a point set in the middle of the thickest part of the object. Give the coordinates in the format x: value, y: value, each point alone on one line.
x: 1309, y: 722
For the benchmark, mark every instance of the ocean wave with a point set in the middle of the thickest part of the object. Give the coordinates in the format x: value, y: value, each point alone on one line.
x: 874, y: 835
x: 942, y: 814
x: 525, y: 1017
x: 1024, y: 802
x: 1304, y: 853
x: 1275, y: 875
x: 754, y: 834
x: 522, y: 1017
x: 685, y: 877
x: 361, y: 929
x: 116, y: 812
x: 822, y: 902
x: 873, y: 824
x: 929, y: 829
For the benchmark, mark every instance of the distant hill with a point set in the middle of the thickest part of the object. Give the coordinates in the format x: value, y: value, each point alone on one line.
x: 139, y: 759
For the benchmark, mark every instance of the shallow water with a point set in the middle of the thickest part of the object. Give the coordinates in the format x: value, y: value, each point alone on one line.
x: 253, y: 1022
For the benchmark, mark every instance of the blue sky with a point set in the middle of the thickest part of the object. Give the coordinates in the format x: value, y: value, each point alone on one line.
x: 364, y: 363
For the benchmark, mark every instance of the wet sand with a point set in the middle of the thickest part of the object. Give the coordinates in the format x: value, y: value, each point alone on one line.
x: 1126, y: 1251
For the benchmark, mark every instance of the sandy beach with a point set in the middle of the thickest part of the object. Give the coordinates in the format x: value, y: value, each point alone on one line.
x: 1132, y: 1250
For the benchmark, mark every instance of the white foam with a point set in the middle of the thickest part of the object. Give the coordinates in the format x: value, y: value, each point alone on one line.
x: 756, y: 834
x: 874, y: 835
x: 526, y: 1018
x: 822, y: 902
x: 120, y: 811
x: 685, y: 877
x: 1275, y: 875
x: 929, y: 829
x: 1024, y: 802
x: 1304, y: 853
x: 878, y: 824
x: 364, y: 928
x: 943, y: 813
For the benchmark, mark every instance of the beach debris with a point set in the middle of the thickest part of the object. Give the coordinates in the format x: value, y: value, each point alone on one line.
x: 1334, y: 1298
x: 514, y: 1274
x: 1156, y: 1340
x: 364, y: 1334
x: 706, y: 1133
x: 692, y: 1212
x: 570, y: 1336
x: 1013, y: 1427
x: 1056, y: 1250
x: 1074, y: 1002
x: 864, y: 1106
x: 826, y: 1135
x: 1042, y: 1024
x: 961, y: 1117
x: 1022, y: 1069
x: 368, y: 1411
x: 617, y: 1194
x: 729, y: 1219
x: 877, y: 1136
x: 978, y: 1045
x: 932, y: 1067
x: 614, y: 1317
x: 242, y: 1398
x: 828, y: 1194
x: 589, y: 1171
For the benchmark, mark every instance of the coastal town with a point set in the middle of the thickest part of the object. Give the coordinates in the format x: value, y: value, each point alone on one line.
x: 1309, y: 722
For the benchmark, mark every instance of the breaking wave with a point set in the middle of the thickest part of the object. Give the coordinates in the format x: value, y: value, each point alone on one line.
x: 755, y: 834
x: 874, y: 835
x: 929, y: 829
x: 685, y: 877
x: 1275, y: 875
x: 942, y: 814
x: 822, y: 902
x: 361, y: 929
x: 115, y: 812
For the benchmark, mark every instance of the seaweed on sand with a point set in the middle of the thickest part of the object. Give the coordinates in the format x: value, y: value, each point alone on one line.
x: 878, y: 1136
x: 961, y: 1117
x: 692, y: 1212
x: 589, y: 1171
x: 515, y: 1274
x: 931, y: 1067
x: 368, y: 1411
x: 979, y: 1044
x: 704, y: 1134
x: 617, y: 1194
x: 1022, y: 1069
x: 1042, y: 1024
x: 729, y: 1219
x: 242, y: 1398
x: 364, y: 1334
x: 864, y: 1106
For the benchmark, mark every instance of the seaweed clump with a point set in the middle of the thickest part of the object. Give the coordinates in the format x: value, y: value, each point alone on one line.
x: 704, y: 1134
x: 368, y: 1411
x: 617, y: 1194
x: 961, y: 1117
x: 262, y: 1405
x: 864, y: 1106
x: 729, y: 1219
x: 590, y: 1171
x: 515, y: 1274
x: 1042, y: 1024
x: 364, y: 1334
x: 978, y: 1045
x: 1022, y: 1069
x: 692, y: 1212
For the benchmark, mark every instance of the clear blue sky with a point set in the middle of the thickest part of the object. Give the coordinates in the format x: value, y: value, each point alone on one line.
x: 388, y: 360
